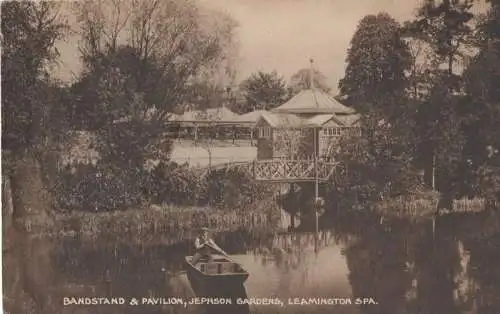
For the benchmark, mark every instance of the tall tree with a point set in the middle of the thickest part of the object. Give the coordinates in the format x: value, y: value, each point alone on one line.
x: 178, y: 41
x: 302, y: 80
x: 141, y: 60
x: 377, y: 60
x: 29, y: 33
x: 375, y: 83
x: 31, y: 112
x: 445, y: 27
x: 483, y: 106
x: 263, y: 91
x: 31, y: 103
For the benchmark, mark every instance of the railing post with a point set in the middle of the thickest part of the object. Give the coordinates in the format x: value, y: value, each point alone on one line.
x: 284, y: 169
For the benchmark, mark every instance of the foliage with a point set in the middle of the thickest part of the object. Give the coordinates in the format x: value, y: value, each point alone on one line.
x: 171, y: 183
x: 379, y: 163
x: 446, y: 28
x: 482, y: 108
x: 377, y: 166
x: 141, y: 60
x: 234, y: 188
x: 441, y: 127
x: 263, y: 91
x: 165, y: 224
x: 376, y: 64
x: 301, y: 80
x: 96, y: 188
x: 168, y: 49
x: 33, y: 108
x: 30, y: 107
x: 105, y: 187
x: 135, y: 135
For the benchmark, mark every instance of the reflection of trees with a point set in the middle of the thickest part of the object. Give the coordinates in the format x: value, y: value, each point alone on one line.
x: 292, y: 254
x: 484, y: 270
x: 110, y: 269
x: 243, y: 241
x: 290, y: 251
x: 437, y: 261
x: 378, y: 269
x: 29, y: 279
x: 413, y: 270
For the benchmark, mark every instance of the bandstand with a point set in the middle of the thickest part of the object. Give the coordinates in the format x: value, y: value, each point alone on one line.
x: 294, y: 141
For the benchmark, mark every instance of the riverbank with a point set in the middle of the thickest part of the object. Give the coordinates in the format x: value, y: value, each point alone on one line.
x: 423, y: 207
x: 158, y: 223
x: 155, y: 221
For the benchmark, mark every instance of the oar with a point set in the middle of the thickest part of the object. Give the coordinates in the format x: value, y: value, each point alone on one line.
x: 217, y: 248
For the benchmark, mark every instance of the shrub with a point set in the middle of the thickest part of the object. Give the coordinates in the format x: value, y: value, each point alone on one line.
x: 99, y: 187
x: 104, y: 187
x: 172, y: 183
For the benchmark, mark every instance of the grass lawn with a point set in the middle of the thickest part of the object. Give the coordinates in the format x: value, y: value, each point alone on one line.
x: 198, y: 157
x: 183, y: 151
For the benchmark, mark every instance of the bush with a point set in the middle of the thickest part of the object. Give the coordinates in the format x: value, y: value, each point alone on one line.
x: 233, y: 187
x: 104, y: 187
x: 172, y: 183
x: 377, y: 166
x: 99, y: 187
x: 224, y: 188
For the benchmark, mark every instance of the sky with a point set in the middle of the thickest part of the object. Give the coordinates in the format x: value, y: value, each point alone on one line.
x: 283, y: 35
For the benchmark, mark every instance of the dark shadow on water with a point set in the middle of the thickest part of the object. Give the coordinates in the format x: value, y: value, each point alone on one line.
x: 407, y: 267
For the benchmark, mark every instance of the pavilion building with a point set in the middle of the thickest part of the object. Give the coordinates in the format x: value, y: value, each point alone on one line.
x: 308, y: 124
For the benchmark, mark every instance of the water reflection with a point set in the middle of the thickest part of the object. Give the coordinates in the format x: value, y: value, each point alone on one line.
x: 405, y: 268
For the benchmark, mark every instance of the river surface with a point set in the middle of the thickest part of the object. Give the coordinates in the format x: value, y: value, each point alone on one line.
x: 393, y: 267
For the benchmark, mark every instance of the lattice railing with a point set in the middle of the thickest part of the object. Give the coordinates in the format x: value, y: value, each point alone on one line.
x: 285, y: 170
x: 291, y: 170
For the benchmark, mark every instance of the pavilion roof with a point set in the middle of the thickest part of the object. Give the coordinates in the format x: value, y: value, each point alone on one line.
x: 313, y: 101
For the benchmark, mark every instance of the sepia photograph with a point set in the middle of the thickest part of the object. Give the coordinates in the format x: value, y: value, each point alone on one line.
x: 250, y: 156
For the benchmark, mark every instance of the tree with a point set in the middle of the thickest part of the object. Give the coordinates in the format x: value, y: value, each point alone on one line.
x: 377, y: 61
x: 207, y: 136
x: 482, y: 107
x: 31, y: 127
x: 379, y: 162
x: 302, y: 80
x: 173, y: 47
x: 141, y: 60
x: 32, y: 102
x: 168, y: 50
x: 445, y: 28
x: 263, y: 91
x: 29, y: 32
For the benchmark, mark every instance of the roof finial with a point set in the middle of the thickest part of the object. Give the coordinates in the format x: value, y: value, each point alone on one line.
x: 311, y: 74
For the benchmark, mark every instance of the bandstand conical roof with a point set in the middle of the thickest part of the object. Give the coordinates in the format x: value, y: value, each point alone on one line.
x: 313, y: 101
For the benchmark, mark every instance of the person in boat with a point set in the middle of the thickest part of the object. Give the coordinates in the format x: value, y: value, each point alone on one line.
x: 203, y: 245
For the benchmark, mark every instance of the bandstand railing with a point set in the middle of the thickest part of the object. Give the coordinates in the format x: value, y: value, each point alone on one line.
x: 284, y: 170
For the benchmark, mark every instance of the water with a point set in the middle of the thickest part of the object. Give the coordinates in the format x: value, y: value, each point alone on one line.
x: 403, y: 268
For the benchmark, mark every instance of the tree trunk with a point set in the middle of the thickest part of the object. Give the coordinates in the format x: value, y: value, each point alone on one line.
x: 27, y: 255
x: 209, y: 160
x: 31, y: 202
x: 6, y: 203
x: 429, y: 166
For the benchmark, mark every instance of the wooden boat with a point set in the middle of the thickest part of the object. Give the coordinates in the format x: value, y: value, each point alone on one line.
x: 219, y: 276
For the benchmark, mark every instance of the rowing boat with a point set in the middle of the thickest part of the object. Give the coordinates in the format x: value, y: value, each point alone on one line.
x: 220, y: 273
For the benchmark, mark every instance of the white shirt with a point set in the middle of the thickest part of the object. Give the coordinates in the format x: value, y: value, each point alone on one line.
x: 199, y: 243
